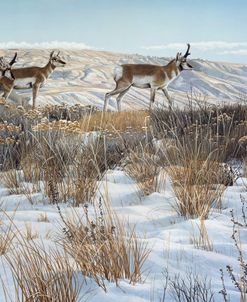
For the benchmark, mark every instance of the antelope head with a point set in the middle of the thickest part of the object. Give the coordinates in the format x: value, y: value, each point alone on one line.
x: 56, y: 60
x: 6, y: 66
x: 181, y: 60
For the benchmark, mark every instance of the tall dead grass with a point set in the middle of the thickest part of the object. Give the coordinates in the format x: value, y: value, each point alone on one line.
x: 63, y: 166
x: 116, y: 121
x: 195, y: 191
x: 41, y: 276
x: 63, y: 158
x: 193, y: 163
x: 104, y: 247
x: 7, y: 236
x: 142, y: 165
x: 38, y: 273
x: 69, y: 167
x: 14, y: 181
x: 202, y: 240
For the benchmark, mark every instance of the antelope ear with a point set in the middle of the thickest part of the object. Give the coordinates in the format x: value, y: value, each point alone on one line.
x: 177, y: 56
x: 51, y: 54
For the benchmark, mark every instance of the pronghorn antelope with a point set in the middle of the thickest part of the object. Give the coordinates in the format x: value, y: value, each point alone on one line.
x: 35, y: 77
x: 150, y: 76
x: 7, y: 78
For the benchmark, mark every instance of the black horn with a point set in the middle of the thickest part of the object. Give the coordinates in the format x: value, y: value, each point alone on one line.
x: 51, y: 54
x: 13, y: 60
x: 187, y: 51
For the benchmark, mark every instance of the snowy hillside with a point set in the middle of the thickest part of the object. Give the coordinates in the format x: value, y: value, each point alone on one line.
x: 88, y: 75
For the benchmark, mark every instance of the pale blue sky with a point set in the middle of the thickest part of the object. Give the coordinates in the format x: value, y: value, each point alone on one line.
x: 216, y: 28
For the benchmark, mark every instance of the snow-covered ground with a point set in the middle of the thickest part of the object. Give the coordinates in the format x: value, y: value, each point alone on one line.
x: 167, y: 234
x: 88, y: 75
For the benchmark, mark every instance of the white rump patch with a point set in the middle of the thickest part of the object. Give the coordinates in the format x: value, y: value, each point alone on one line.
x: 118, y: 73
x: 143, y: 80
x: 24, y: 81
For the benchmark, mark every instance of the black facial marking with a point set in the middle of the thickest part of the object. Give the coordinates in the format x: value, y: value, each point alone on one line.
x: 12, y: 75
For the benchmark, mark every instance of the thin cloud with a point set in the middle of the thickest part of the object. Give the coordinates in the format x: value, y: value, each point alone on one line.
x: 45, y: 45
x: 202, y: 46
x: 241, y: 52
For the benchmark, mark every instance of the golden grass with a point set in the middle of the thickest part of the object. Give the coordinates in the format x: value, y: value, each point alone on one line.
x: 38, y: 273
x: 43, y: 217
x: 39, y: 276
x: 13, y: 180
x: 104, y: 248
x: 143, y: 168
x: 116, y: 121
x: 196, y: 188
x: 202, y: 241
x: 29, y: 233
x: 6, y: 237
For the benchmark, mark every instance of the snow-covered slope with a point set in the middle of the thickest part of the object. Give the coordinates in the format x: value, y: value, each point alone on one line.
x: 88, y: 75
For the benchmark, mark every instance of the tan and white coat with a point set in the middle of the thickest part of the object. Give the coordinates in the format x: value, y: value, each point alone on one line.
x: 150, y: 76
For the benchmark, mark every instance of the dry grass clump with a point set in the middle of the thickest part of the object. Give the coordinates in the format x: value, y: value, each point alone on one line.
x: 69, y: 166
x: 41, y: 276
x: 50, y: 152
x: 38, y: 273
x: 116, y: 121
x: 15, y: 182
x: 195, y: 144
x: 202, y: 241
x: 29, y: 233
x: 196, y: 187
x: 43, y: 217
x: 6, y: 237
x: 99, y: 121
x: 102, y: 247
x: 69, y: 179
x: 10, y: 138
x: 31, y: 169
x: 142, y: 165
x: 198, y: 178
x: 66, y: 165
x: 11, y: 180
